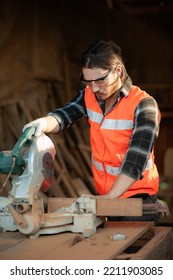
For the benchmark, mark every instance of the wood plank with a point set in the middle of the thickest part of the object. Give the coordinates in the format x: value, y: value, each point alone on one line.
x: 69, y: 159
x: 71, y: 246
x: 101, y: 246
x: 65, y: 176
x: 32, y: 249
x: 79, y: 186
x: 16, y: 246
x: 104, y: 207
x: 119, y: 207
x: 10, y: 239
x: 160, y: 246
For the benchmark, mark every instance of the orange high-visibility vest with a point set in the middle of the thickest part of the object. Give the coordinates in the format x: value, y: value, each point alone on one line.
x: 109, y: 139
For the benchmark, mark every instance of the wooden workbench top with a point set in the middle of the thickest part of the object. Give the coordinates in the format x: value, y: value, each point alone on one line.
x: 72, y: 246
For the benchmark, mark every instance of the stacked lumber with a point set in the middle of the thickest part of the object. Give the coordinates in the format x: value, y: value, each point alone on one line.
x: 73, y: 175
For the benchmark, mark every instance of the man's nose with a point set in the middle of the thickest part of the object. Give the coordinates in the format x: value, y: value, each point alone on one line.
x: 95, y: 88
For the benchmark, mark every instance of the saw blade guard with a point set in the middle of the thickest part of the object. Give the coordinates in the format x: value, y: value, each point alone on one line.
x: 38, y: 172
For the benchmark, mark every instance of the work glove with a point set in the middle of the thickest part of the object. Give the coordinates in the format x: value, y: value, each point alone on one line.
x: 39, y: 124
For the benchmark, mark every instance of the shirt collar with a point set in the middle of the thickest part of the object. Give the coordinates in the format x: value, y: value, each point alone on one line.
x: 123, y: 92
x: 126, y: 87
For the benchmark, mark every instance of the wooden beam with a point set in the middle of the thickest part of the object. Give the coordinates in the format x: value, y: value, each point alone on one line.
x: 151, y: 251
x: 119, y: 207
x: 104, y: 207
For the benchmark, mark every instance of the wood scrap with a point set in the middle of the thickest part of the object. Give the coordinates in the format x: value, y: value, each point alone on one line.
x: 79, y: 186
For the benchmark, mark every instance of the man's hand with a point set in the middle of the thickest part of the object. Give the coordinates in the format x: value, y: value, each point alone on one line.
x: 39, y: 124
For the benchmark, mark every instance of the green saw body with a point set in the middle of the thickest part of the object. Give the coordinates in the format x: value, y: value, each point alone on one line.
x: 7, y: 157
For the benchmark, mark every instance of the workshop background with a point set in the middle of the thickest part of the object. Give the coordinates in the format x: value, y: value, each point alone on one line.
x: 41, y: 43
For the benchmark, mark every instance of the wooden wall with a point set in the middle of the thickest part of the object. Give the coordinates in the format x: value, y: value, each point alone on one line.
x: 41, y: 44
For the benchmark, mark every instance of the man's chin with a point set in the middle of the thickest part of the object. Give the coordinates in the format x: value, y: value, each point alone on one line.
x: 100, y: 96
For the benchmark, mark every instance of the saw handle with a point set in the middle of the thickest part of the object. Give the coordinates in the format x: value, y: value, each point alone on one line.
x: 26, y: 135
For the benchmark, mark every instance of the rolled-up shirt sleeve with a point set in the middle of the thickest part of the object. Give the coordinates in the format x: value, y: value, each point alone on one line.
x: 145, y: 133
x: 71, y: 112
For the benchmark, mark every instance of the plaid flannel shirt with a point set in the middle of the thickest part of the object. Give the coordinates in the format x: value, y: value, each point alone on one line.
x: 145, y: 130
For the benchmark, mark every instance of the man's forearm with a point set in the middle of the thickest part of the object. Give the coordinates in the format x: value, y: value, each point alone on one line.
x: 52, y: 125
x: 120, y: 186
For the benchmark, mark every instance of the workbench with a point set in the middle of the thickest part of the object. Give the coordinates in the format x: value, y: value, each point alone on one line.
x: 142, y: 240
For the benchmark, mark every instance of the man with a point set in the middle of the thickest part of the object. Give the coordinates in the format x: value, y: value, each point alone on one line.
x: 124, y: 125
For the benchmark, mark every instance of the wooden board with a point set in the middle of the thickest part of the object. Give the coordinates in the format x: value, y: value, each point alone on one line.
x: 119, y: 207
x: 159, y: 247
x: 104, y: 206
x: 70, y: 246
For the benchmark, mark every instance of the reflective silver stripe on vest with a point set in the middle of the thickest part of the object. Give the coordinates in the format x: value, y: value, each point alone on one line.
x: 98, y: 165
x: 109, y: 123
x: 115, y: 170
x: 117, y: 124
x: 109, y: 169
x: 112, y: 170
x: 94, y: 117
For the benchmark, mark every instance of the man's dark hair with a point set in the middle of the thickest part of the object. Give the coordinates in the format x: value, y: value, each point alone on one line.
x: 105, y: 55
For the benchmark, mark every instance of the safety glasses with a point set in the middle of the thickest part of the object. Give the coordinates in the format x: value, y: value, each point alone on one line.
x: 99, y: 81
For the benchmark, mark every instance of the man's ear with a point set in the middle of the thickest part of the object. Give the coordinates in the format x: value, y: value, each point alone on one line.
x: 119, y: 70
